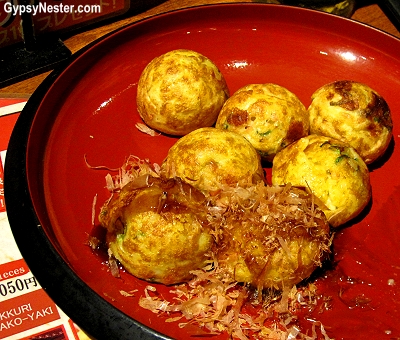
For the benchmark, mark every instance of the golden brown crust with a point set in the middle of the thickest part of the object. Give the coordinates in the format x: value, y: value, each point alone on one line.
x: 331, y: 169
x: 180, y: 91
x: 353, y: 113
x: 268, y: 115
x: 210, y: 159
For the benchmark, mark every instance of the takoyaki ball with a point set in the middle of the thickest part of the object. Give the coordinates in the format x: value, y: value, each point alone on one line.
x: 333, y: 171
x: 159, y: 232
x: 180, y: 91
x: 353, y: 113
x: 268, y: 115
x: 210, y: 159
x: 279, y: 243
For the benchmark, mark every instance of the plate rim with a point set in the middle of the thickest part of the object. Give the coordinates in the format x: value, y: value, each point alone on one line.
x: 20, y: 212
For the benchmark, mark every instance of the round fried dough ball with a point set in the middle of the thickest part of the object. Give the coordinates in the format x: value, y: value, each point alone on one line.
x: 331, y: 169
x: 353, y: 113
x: 268, y: 115
x: 210, y: 159
x: 278, y: 244
x: 180, y: 91
x: 158, y: 232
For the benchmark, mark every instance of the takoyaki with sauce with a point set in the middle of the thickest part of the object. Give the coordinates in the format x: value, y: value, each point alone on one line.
x: 158, y: 232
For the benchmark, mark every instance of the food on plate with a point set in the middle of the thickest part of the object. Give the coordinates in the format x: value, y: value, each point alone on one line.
x: 162, y: 230
x: 180, y: 91
x: 353, y: 113
x: 332, y: 170
x: 207, y: 222
x: 268, y: 115
x: 272, y: 236
x: 210, y: 159
x: 158, y: 230
x: 268, y: 239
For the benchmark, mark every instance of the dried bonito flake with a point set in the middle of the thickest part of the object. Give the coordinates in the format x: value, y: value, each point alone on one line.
x: 232, y: 256
x: 271, y: 237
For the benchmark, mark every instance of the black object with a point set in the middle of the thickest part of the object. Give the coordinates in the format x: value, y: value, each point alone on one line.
x: 393, y: 7
x: 39, y: 54
x: 33, y: 57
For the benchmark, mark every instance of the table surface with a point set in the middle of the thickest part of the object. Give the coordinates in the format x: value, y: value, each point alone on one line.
x: 368, y: 12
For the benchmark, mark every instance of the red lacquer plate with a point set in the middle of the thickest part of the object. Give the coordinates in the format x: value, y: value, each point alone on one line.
x: 89, y: 109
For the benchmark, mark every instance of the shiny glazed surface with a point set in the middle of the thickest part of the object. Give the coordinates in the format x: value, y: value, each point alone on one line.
x: 90, y: 110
